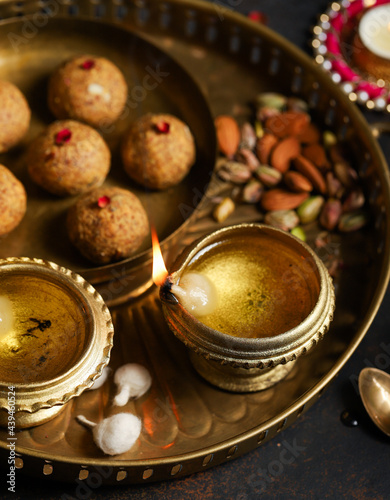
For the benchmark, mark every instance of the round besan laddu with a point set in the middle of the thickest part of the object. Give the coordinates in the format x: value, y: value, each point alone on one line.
x: 158, y: 151
x: 88, y: 88
x: 15, y: 116
x: 107, y: 224
x: 12, y: 201
x: 68, y: 158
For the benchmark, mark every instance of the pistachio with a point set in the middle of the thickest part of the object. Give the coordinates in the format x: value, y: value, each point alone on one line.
x: 299, y: 232
x: 330, y: 214
x: 252, y: 191
x: 352, y: 221
x: 329, y: 139
x: 282, y: 219
x: 225, y: 208
x: 334, y: 187
x: 234, y: 171
x: 322, y: 239
x: 271, y: 100
x: 354, y: 200
x: 344, y: 174
x: 310, y: 209
x: 248, y: 136
x: 269, y: 176
x: 245, y: 155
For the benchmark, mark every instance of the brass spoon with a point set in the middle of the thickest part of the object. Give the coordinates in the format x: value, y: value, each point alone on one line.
x: 374, y: 387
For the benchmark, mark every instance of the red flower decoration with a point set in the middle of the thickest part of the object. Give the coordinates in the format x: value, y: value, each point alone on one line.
x: 63, y: 136
x: 103, y: 201
x: 88, y: 64
x: 257, y: 17
x: 163, y: 127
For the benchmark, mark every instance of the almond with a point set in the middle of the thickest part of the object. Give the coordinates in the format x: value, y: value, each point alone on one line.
x: 264, y: 147
x: 228, y: 134
x: 316, y: 154
x: 310, y: 134
x: 285, y: 151
x: 297, y: 182
x: 281, y: 199
x: 287, y: 123
x: 309, y: 170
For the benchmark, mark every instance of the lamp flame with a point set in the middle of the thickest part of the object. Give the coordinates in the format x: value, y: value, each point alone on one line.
x: 159, y: 270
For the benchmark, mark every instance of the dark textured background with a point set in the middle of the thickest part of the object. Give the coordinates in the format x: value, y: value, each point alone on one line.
x: 334, y: 461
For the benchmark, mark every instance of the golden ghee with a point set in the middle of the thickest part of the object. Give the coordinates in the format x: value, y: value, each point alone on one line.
x: 263, y: 285
x: 49, y: 331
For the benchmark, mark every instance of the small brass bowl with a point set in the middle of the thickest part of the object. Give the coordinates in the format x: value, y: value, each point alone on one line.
x: 283, y: 311
x: 59, y: 343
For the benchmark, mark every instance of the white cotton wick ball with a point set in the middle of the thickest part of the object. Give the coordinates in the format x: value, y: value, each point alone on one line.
x: 100, y: 380
x: 196, y: 293
x: 133, y: 380
x: 115, y: 435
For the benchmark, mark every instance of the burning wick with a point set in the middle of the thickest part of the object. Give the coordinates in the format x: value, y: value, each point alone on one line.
x: 195, y: 291
x: 6, y: 316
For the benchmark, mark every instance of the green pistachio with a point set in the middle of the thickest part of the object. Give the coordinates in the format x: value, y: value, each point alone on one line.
x: 299, y: 233
x: 352, y: 221
x: 252, y: 191
x: 271, y: 100
x: 310, y: 209
x: 269, y: 176
x: 282, y: 219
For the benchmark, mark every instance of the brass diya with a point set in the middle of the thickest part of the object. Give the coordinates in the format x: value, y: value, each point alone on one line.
x: 58, y: 339
x: 275, y: 301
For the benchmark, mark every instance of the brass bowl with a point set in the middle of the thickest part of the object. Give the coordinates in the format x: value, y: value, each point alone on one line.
x: 291, y: 279
x: 59, y: 342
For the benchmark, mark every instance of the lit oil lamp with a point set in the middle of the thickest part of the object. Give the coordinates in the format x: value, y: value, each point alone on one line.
x: 374, y: 30
x: 371, y: 52
x: 247, y: 300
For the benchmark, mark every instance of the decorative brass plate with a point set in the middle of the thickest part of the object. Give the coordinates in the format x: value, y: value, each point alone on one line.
x: 189, y: 425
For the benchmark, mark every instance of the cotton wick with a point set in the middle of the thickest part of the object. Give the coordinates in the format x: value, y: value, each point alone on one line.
x: 133, y: 381
x: 114, y: 435
x: 196, y: 293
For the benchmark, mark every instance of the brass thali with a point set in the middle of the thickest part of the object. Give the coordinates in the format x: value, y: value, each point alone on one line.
x: 188, y: 425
